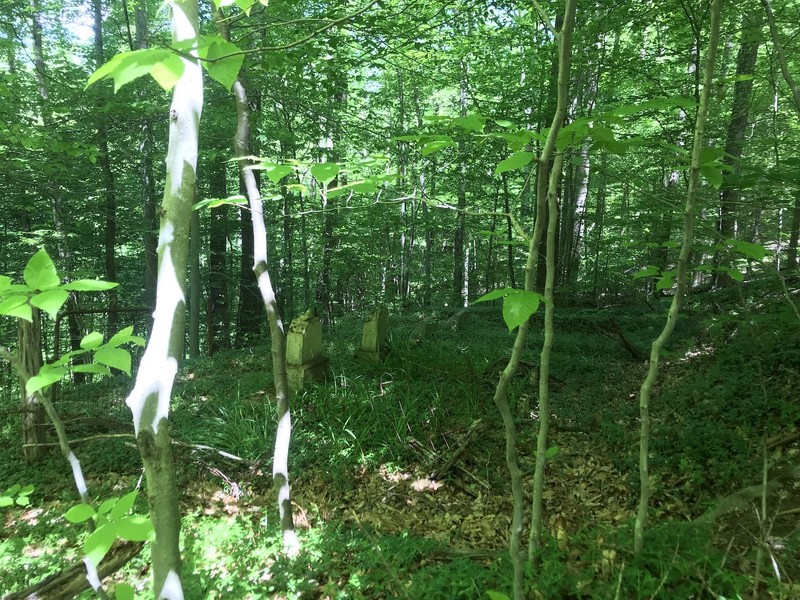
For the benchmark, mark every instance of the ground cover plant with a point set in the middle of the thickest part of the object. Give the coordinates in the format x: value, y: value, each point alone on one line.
x: 372, y: 521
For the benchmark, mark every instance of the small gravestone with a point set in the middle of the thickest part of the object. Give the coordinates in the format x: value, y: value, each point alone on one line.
x: 458, y: 321
x: 425, y: 329
x: 304, y: 360
x: 373, y: 337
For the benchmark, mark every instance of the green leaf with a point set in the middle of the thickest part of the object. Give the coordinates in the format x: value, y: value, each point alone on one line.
x: 22, y: 501
x: 470, y: 122
x: 650, y: 271
x: 222, y: 60
x: 518, y: 307
x: 124, y: 505
x: 5, y: 282
x: 277, y: 172
x: 325, y: 172
x: 237, y: 200
x: 435, y: 146
x: 135, y: 528
x: 79, y: 513
x: 89, y: 285
x: 13, y: 490
x: 116, y: 358
x: 495, y: 294
x: 164, y: 65
x: 748, y: 249
x: 123, y: 591
x: 40, y: 272
x: 107, y: 505
x: 99, y: 543
x: 92, y: 368
x: 92, y: 340
x: 515, y: 161
x: 6, y: 501
x: 50, y: 301
x: 123, y: 336
x: 713, y: 174
x: 496, y: 595
x: 503, y: 123
x: 551, y: 452
x: 16, y: 306
x: 27, y: 490
x: 665, y: 282
x: 734, y: 274
x: 44, y: 378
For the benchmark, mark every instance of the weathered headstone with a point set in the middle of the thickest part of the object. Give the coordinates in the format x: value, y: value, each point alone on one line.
x: 425, y: 329
x: 458, y: 321
x: 373, y: 336
x: 304, y: 360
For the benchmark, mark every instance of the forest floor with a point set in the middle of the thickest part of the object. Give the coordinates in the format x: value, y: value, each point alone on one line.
x: 378, y: 514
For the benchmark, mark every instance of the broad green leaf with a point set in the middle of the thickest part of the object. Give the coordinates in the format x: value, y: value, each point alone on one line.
x: 496, y: 595
x: 734, y: 274
x: 92, y: 368
x: 5, y: 282
x: 470, y: 122
x: 22, y: 501
x: 277, y: 172
x: 325, y: 172
x: 50, y: 301
x: 708, y: 155
x: 121, y: 337
x: 13, y: 489
x: 44, y: 378
x: 107, y: 505
x: 6, y: 501
x: 650, y: 271
x: 515, y: 161
x: 713, y: 174
x: 16, y: 306
x: 518, y: 307
x: 495, y: 294
x: 89, y: 285
x: 123, y: 591
x: 124, y: 505
x: 221, y: 59
x: 435, y: 146
x: 601, y: 133
x: 116, y: 358
x: 135, y: 528
x: 99, y: 543
x: 503, y: 123
x: 665, y: 282
x: 92, y: 340
x: 79, y: 513
x: 40, y: 272
x: 551, y: 452
x: 748, y: 249
x: 27, y: 490
x: 166, y: 72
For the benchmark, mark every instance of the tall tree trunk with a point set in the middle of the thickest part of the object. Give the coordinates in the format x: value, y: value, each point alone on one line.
x: 249, y: 315
x: 29, y: 337
x: 195, y: 284
x: 149, y: 400
x: 734, y: 144
x: 458, y: 297
x: 149, y: 200
x: 681, y: 279
x: 109, y: 189
x: 280, y: 461
x: 217, y: 306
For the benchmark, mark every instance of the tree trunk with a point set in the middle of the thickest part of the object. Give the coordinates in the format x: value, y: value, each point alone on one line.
x: 34, y: 431
x: 217, y: 316
x: 150, y: 398
x: 109, y: 189
x: 248, y: 318
x: 458, y: 297
x: 734, y: 144
x: 195, y: 283
x: 681, y: 277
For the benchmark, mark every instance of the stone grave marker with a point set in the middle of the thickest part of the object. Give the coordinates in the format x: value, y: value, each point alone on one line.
x: 304, y: 360
x: 458, y: 321
x: 373, y: 336
x: 425, y: 329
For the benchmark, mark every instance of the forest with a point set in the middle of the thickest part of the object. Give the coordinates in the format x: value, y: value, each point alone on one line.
x: 399, y: 299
